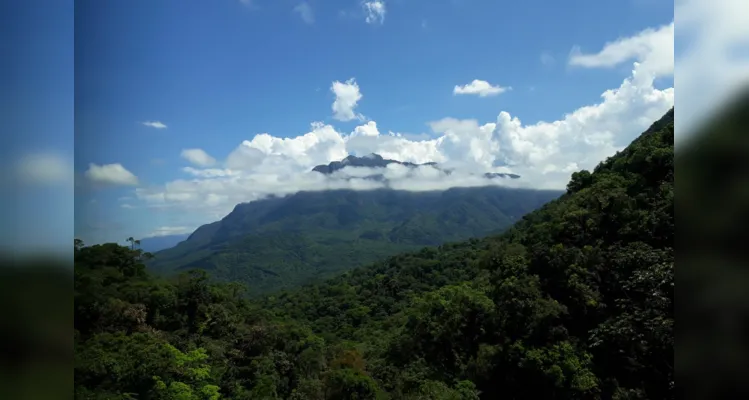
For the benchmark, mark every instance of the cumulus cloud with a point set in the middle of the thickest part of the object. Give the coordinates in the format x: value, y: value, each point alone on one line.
x: 198, y: 157
x: 347, y: 96
x: 480, y: 88
x: 544, y: 153
x: 111, y: 174
x: 305, y: 12
x: 653, y: 48
x: 374, y: 11
x: 155, y: 124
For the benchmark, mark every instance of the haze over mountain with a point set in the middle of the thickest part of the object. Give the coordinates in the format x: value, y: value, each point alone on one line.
x: 156, y: 243
x: 282, y: 242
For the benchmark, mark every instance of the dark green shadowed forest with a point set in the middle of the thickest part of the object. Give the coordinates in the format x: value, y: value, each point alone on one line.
x: 284, y: 242
x: 574, y: 301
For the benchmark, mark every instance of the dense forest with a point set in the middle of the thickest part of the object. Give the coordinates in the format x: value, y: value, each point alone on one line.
x: 575, y: 301
x: 284, y: 242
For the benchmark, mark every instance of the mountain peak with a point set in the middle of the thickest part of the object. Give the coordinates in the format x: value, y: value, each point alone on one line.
x: 374, y: 160
x: 355, y: 160
x: 371, y: 160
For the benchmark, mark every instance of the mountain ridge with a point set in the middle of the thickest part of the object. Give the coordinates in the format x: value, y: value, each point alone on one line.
x: 374, y: 160
x: 363, y: 226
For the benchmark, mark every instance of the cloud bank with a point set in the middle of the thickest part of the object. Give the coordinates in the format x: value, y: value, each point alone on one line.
x: 544, y: 154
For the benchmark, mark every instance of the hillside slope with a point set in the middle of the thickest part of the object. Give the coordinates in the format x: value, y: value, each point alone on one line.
x: 575, y: 301
x: 285, y: 242
x: 376, y: 164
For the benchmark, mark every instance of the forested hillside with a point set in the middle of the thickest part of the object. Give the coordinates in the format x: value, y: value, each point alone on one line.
x: 573, y: 302
x: 285, y: 242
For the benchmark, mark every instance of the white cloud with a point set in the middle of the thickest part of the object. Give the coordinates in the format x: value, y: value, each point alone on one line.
x: 543, y: 153
x: 111, y: 174
x: 305, y: 12
x: 713, y: 63
x: 155, y: 124
x: 374, y: 11
x: 198, y: 157
x: 208, y: 172
x: 480, y: 88
x: 652, y: 48
x: 347, y: 95
x: 170, y: 230
x: 44, y: 169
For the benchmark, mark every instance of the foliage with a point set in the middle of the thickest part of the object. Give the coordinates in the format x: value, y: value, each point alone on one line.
x: 282, y: 243
x: 575, y: 301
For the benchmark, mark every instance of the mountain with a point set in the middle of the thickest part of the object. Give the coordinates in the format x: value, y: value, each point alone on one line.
x: 574, y: 301
x: 156, y: 243
x: 369, y: 161
x: 377, y: 161
x: 283, y: 242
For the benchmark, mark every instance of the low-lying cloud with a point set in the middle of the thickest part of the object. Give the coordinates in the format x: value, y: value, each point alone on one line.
x: 544, y: 154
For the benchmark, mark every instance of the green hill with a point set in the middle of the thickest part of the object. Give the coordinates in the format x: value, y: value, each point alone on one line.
x: 286, y: 242
x: 575, y: 301
x: 579, y: 292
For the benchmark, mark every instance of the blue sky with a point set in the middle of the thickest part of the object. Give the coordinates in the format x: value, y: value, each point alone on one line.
x: 215, y: 74
x: 218, y: 73
x: 37, y: 100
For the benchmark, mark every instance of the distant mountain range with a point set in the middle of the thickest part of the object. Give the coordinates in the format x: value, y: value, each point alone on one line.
x: 283, y: 242
x: 377, y: 161
x: 156, y: 243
